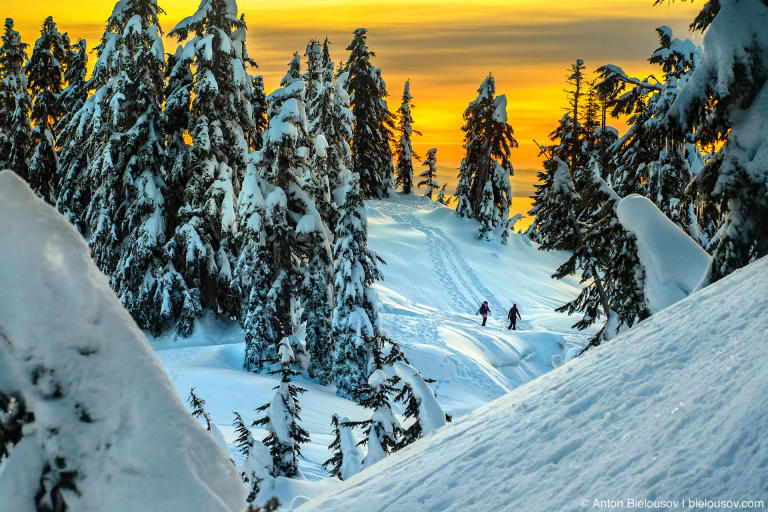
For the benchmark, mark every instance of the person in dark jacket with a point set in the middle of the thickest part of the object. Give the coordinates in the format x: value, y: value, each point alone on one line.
x: 484, y: 311
x: 513, y: 315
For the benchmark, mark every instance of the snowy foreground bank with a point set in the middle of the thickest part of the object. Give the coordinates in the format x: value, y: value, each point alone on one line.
x: 106, y: 418
x: 674, y: 409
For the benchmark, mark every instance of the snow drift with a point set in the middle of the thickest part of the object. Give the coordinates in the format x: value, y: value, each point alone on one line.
x: 672, y: 409
x: 674, y: 263
x: 103, y: 406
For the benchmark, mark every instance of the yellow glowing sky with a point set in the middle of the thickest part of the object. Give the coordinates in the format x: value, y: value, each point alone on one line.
x: 444, y: 47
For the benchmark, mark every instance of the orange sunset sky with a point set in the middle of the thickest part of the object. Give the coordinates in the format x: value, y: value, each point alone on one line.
x: 445, y: 47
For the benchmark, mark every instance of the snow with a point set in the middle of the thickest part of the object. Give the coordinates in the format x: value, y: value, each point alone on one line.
x: 673, y: 409
x: 674, y: 263
x: 500, y: 109
x: 321, y: 145
x: 140, y: 450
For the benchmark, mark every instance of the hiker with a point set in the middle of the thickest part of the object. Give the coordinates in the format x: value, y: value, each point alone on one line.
x: 513, y: 315
x: 484, y: 311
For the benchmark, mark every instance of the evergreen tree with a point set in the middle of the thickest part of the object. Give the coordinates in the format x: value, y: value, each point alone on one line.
x: 15, y: 128
x: 441, y: 196
x: 575, y: 80
x: 45, y: 79
x: 319, y: 100
x: 176, y: 117
x: 346, y: 460
x: 430, y: 174
x: 326, y: 59
x: 253, y: 276
x: 119, y: 128
x: 198, y: 409
x: 73, y: 187
x: 355, y: 317
x: 420, y: 403
x: 648, y: 160
x: 299, y: 253
x: 403, y: 148
x: 382, y: 429
x: 256, y: 469
x: 259, y: 104
x: 371, y: 155
x: 488, y: 142
x: 556, y: 206
x: 203, y: 246
x: 724, y: 101
x: 281, y: 419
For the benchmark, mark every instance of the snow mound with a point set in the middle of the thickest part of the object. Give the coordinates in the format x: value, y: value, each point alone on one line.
x: 674, y: 263
x: 103, y: 405
x: 673, y: 409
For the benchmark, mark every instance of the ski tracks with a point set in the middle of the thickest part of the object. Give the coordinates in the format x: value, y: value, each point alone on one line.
x: 460, y: 281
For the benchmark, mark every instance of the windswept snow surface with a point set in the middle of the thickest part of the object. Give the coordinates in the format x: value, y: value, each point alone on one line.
x: 437, y: 275
x: 673, y: 409
x: 100, y: 397
x: 674, y: 263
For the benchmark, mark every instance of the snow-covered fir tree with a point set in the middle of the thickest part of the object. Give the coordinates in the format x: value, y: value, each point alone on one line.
x: 119, y: 127
x: 383, y: 429
x: 441, y: 196
x: 355, y: 317
x: 147, y: 286
x: 576, y: 80
x: 45, y: 79
x: 252, y: 276
x: 256, y: 468
x: 73, y: 189
x: 578, y: 214
x: 488, y: 142
x: 281, y: 418
x: 421, y: 405
x: 299, y: 252
x: 371, y: 154
x: 176, y: 116
x: 203, y: 246
x: 725, y: 101
x: 15, y: 103
x: 198, y: 409
x: 403, y: 147
x: 556, y: 206
x: 259, y: 105
x: 319, y: 100
x: 647, y: 160
x: 347, y: 459
x: 429, y: 175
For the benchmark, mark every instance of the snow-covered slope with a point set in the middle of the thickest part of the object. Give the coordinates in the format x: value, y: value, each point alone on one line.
x: 103, y: 406
x: 674, y: 263
x: 673, y: 409
x: 436, y: 276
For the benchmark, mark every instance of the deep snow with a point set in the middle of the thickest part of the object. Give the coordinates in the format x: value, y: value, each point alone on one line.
x: 673, y: 409
x: 674, y: 263
x: 103, y: 405
x: 436, y: 276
